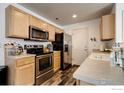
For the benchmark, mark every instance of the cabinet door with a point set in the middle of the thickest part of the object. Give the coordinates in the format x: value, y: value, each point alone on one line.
x: 57, y: 61
x: 108, y: 27
x: 38, y: 23
x: 17, y: 23
x: 55, y: 66
x: 25, y: 75
x: 44, y: 25
x: 51, y: 30
x: 35, y: 21
x: 59, y: 30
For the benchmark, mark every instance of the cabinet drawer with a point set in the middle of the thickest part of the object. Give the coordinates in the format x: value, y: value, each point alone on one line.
x: 56, y: 64
x: 24, y: 61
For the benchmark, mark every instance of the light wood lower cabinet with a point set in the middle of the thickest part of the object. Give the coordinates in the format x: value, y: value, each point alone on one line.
x: 21, y: 71
x: 57, y: 61
x: 24, y: 75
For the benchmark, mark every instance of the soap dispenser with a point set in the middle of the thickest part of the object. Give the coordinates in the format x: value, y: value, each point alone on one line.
x: 113, y: 58
x: 122, y: 58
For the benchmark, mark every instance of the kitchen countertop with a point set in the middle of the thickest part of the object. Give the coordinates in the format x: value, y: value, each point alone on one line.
x: 98, y: 72
x: 21, y: 56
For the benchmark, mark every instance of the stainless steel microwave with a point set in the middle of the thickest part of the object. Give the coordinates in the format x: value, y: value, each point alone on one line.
x: 36, y: 33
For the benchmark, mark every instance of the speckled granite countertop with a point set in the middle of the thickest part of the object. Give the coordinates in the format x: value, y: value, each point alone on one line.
x: 99, y: 73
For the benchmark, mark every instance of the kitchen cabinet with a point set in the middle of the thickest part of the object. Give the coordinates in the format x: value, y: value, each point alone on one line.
x: 57, y: 61
x: 51, y: 30
x: 38, y: 23
x: 57, y: 30
x: 108, y: 27
x: 24, y: 75
x: 44, y: 25
x: 17, y: 23
x: 21, y: 70
x: 35, y: 21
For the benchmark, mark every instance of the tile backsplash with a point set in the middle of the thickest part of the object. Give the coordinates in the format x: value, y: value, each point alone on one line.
x: 22, y: 42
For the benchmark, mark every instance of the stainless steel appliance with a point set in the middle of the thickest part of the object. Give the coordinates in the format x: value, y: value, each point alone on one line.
x: 67, y: 49
x: 13, y: 49
x: 43, y: 64
x: 63, y: 43
x: 36, y: 33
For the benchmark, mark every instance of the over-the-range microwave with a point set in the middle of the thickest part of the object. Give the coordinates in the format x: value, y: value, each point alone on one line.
x: 36, y: 33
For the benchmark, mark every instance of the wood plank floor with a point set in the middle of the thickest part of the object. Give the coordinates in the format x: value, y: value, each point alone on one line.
x: 62, y: 77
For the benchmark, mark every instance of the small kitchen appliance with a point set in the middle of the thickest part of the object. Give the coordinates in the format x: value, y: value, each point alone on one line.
x: 37, y: 34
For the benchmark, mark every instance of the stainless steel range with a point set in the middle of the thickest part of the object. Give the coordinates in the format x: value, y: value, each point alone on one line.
x: 43, y: 65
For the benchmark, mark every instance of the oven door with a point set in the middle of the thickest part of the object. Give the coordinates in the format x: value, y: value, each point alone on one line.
x: 43, y: 63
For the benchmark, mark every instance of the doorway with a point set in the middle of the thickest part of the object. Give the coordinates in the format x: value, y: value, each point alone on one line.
x: 80, y: 45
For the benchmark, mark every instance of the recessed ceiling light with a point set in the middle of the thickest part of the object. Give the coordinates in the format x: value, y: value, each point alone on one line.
x: 74, y: 15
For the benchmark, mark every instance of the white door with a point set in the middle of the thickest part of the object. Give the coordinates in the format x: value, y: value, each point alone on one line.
x: 79, y: 45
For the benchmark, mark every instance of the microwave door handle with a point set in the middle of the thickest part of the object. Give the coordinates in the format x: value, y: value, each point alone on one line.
x: 51, y: 61
x: 47, y: 34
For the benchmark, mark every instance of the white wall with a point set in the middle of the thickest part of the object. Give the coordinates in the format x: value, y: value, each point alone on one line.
x: 1, y: 39
x: 119, y: 8
x: 4, y: 40
x: 93, y: 29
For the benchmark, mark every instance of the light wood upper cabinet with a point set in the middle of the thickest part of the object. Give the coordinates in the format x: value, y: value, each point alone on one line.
x: 35, y: 21
x: 51, y: 30
x: 108, y: 27
x: 38, y: 23
x: 17, y: 22
x: 44, y: 25
x: 57, y: 30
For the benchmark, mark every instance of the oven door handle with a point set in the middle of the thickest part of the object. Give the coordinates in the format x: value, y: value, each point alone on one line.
x: 43, y: 56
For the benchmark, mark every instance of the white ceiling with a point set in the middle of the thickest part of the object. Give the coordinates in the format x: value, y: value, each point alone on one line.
x: 64, y: 11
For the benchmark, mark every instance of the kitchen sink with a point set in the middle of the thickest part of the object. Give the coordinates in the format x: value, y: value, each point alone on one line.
x: 100, y: 56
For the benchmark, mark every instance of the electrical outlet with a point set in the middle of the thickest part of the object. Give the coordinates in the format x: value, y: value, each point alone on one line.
x: 0, y: 44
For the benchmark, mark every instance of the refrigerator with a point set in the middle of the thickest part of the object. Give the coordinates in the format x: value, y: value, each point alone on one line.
x: 63, y: 43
